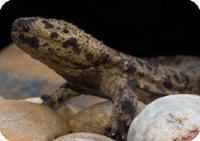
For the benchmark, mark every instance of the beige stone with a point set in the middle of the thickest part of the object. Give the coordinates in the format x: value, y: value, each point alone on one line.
x: 26, y: 121
x: 92, y: 119
x: 84, y: 101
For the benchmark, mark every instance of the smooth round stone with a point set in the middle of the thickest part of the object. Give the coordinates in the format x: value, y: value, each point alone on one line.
x: 83, y: 137
x: 171, y: 118
x: 67, y: 111
x: 26, y: 121
x: 84, y: 101
x: 76, y: 104
x: 92, y: 119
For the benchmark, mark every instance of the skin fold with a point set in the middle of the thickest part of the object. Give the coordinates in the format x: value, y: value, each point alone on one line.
x: 91, y: 67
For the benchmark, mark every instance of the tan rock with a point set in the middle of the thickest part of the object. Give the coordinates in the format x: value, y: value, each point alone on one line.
x: 67, y: 111
x: 92, y: 119
x: 83, y: 137
x: 76, y: 104
x: 26, y: 121
x: 84, y: 101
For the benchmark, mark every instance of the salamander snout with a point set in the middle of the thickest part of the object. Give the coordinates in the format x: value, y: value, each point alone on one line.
x: 23, y: 24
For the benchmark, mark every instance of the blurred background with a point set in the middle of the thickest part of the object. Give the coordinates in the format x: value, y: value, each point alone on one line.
x: 141, y: 28
x: 137, y: 27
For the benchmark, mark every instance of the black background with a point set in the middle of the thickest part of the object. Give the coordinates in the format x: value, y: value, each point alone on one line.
x: 137, y: 27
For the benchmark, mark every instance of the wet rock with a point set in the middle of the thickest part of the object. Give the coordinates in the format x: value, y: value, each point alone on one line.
x: 171, y: 118
x: 26, y: 121
x: 83, y: 137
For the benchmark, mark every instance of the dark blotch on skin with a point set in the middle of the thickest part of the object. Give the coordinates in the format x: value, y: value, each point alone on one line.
x: 140, y: 74
x: 146, y: 88
x: 133, y: 84
x: 168, y: 84
x: 176, y: 78
x: 31, y: 41
x: 130, y: 68
x: 89, y: 56
x: 54, y: 35
x: 47, y: 24
x: 45, y: 44
x: 127, y: 107
x: 70, y: 42
x: 65, y: 30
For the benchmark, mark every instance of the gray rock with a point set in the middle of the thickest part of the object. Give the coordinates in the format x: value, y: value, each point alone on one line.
x: 171, y: 118
x: 83, y: 137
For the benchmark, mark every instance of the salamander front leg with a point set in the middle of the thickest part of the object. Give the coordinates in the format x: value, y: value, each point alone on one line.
x: 125, y: 106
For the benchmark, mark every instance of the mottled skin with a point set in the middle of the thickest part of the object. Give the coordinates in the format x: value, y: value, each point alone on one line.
x: 91, y: 67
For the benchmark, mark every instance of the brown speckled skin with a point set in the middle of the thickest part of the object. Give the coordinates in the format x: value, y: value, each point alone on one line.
x: 93, y: 68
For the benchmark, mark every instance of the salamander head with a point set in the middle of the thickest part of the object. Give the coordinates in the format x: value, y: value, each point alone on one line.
x: 57, y: 42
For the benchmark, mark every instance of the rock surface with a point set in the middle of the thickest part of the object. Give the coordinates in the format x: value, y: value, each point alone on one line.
x: 171, y: 118
x: 25, y: 121
x: 92, y: 119
x: 23, y: 77
x: 83, y: 137
x: 76, y: 104
x: 84, y: 101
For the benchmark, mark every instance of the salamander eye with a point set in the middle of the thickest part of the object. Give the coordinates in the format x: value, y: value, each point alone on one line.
x: 54, y: 35
x: 65, y: 30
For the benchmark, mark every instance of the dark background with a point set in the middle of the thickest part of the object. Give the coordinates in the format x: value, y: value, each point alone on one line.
x: 137, y: 27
